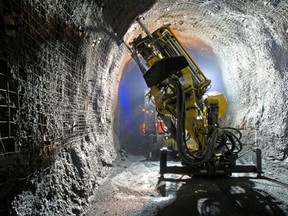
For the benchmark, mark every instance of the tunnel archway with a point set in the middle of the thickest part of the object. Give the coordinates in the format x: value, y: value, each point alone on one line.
x: 59, y: 80
x: 247, y: 57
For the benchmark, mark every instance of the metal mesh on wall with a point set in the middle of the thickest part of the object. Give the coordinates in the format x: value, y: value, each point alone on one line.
x: 43, y: 94
x: 58, y: 84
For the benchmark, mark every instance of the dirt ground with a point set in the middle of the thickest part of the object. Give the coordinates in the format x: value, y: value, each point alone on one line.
x: 130, y: 190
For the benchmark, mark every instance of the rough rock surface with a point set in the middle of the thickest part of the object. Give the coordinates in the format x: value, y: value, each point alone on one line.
x: 130, y: 189
x: 72, y: 82
x: 250, y: 39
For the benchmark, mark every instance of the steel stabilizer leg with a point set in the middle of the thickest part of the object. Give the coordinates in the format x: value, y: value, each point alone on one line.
x: 163, y: 162
x: 161, y: 187
x: 258, y: 162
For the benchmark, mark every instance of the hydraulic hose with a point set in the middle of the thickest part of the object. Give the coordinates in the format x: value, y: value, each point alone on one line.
x: 180, y: 132
x: 226, y: 138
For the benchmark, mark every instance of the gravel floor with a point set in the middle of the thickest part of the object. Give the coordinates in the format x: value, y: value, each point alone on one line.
x: 130, y: 190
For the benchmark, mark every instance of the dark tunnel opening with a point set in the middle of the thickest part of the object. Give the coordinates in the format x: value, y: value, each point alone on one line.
x: 132, y: 88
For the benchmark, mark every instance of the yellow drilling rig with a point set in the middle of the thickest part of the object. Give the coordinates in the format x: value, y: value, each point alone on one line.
x: 178, y: 88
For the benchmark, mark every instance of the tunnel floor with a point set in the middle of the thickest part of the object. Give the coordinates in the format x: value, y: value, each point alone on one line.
x: 130, y: 190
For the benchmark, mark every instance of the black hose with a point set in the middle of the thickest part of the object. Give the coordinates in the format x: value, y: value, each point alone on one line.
x: 180, y: 137
x: 218, y: 139
x: 228, y: 134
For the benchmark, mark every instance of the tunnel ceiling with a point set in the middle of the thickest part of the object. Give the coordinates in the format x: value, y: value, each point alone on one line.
x: 60, y: 71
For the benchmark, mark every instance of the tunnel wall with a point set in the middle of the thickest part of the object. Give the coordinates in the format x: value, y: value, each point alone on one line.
x: 59, y: 62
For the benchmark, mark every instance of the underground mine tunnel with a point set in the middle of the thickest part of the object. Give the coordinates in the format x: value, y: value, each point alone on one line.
x: 72, y: 105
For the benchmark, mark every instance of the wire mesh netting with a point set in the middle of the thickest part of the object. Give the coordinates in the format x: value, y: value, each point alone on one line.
x: 38, y: 64
x: 45, y: 89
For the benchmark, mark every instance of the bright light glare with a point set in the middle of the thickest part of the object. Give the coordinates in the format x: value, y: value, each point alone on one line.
x: 210, y: 67
x: 132, y: 89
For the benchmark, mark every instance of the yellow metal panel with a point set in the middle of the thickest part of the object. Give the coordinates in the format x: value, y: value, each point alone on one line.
x: 222, y: 101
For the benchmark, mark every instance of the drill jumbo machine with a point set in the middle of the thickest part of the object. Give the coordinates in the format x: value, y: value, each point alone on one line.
x: 178, y: 89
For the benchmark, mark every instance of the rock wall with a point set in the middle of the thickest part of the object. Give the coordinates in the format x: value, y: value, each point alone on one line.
x: 61, y: 61
x: 59, y: 77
